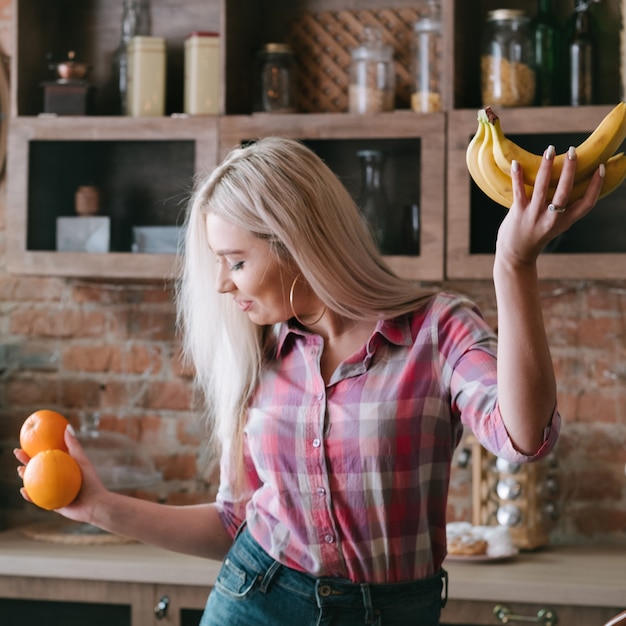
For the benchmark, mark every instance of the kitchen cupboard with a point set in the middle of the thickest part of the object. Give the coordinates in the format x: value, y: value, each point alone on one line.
x: 67, y: 602
x: 458, y: 224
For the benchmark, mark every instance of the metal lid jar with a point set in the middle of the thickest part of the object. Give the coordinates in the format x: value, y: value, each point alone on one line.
x: 507, y: 61
x: 275, y: 78
x: 372, y: 86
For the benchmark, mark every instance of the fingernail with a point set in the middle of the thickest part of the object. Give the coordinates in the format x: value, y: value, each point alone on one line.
x: 550, y: 152
x: 601, y: 170
x: 71, y: 430
x: 514, y: 166
x: 571, y: 153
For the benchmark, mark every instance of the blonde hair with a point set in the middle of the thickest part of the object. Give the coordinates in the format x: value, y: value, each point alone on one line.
x: 280, y: 190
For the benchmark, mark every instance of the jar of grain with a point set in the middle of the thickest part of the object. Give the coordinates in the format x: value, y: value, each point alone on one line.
x: 427, y: 61
x: 372, y: 86
x: 507, y: 61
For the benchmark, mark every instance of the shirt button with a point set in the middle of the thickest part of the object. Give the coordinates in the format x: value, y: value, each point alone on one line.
x: 329, y: 539
x: 320, y: 396
x: 316, y: 443
x: 321, y: 491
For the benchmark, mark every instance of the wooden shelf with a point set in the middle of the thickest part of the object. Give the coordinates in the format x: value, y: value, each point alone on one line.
x: 155, y: 159
x: 452, y: 212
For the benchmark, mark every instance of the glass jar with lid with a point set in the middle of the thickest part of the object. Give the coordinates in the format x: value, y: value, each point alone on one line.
x: 372, y: 87
x: 275, y: 79
x: 427, y: 61
x: 507, y: 61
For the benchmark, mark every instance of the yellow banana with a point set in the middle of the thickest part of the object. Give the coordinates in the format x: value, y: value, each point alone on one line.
x: 599, y: 146
x: 499, y: 182
x: 614, y: 176
x: 471, y: 159
x: 497, y: 185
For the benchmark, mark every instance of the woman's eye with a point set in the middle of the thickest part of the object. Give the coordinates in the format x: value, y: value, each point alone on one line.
x: 236, y: 266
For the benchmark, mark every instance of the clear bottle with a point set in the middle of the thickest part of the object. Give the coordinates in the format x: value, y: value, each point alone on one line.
x: 373, y: 200
x: 372, y: 87
x: 507, y: 62
x: 427, y: 61
x: 580, y: 55
x: 135, y: 21
x: 275, y: 79
x: 547, y: 39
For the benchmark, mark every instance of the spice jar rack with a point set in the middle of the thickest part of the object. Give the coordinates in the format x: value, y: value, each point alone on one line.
x: 519, y: 496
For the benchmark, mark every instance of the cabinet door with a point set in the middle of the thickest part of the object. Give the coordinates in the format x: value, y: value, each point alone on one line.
x: 472, y: 613
x: 594, y: 248
x: 176, y: 605
x: 64, y: 602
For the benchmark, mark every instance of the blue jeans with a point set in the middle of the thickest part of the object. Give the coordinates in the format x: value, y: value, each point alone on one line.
x: 252, y: 589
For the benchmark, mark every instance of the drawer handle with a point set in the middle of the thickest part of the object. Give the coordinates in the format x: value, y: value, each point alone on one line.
x: 545, y: 616
x: 160, y: 610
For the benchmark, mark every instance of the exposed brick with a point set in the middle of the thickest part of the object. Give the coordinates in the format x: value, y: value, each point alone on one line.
x: 597, y: 484
x: 80, y: 394
x: 155, y: 325
x: 177, y: 467
x: 595, y: 406
x: 30, y: 289
x: 179, y: 366
x: 171, y: 395
x: 189, y: 432
x: 28, y: 392
x: 599, y: 333
x: 599, y: 521
x: 138, y: 359
x: 45, y: 322
x: 81, y: 358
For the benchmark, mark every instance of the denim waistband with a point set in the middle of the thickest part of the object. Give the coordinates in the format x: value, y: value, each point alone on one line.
x: 339, y: 591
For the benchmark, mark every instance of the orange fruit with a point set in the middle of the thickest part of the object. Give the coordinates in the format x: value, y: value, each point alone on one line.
x: 52, y: 479
x: 43, y: 430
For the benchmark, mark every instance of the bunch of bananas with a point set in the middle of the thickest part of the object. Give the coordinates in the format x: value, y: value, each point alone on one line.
x: 490, y: 153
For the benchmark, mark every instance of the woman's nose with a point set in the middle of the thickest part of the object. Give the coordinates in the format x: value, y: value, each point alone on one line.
x: 223, y: 283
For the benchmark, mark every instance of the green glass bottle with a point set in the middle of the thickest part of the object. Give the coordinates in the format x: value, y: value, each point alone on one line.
x: 580, y: 55
x: 547, y: 43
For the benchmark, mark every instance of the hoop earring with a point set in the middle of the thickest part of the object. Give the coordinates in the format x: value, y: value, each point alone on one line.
x: 291, y: 291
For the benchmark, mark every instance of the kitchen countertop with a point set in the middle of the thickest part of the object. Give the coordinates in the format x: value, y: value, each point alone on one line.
x: 565, y: 575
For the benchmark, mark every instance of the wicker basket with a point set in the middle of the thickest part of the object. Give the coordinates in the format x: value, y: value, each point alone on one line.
x: 322, y: 43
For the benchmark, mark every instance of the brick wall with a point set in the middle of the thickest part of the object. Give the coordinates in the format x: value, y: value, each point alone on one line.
x: 83, y: 346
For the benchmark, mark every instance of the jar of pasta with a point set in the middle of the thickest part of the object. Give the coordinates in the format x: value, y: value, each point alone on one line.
x: 372, y: 75
x: 507, y: 61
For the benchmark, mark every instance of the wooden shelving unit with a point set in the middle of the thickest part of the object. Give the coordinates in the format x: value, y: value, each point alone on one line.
x: 458, y: 226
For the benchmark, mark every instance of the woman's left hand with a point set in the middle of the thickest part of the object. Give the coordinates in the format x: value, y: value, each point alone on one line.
x: 531, y: 223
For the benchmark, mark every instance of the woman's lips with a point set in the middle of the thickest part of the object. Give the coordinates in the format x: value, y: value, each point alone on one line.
x: 244, y: 305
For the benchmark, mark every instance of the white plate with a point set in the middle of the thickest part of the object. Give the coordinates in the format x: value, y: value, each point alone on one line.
x: 481, y: 558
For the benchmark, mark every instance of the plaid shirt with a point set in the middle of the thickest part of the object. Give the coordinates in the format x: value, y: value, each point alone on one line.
x: 350, y: 478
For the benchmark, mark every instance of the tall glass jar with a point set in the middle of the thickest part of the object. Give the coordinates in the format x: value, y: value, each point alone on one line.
x: 275, y: 78
x: 372, y: 87
x: 507, y: 61
x: 427, y: 61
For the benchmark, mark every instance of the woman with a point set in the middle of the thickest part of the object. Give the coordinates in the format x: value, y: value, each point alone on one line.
x: 338, y: 393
